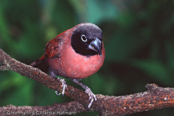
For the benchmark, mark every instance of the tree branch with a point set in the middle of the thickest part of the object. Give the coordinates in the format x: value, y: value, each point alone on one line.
x: 70, y: 108
x: 154, y: 98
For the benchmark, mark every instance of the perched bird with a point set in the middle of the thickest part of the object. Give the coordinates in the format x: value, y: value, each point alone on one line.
x: 76, y: 53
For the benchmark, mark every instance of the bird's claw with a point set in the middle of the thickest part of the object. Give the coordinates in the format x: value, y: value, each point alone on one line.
x: 91, y: 95
x: 57, y: 93
x: 64, y: 86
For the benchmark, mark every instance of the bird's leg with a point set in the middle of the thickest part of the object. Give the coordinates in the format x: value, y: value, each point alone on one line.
x: 92, y: 96
x: 64, y: 85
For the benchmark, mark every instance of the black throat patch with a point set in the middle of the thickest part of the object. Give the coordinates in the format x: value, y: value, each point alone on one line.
x: 90, y: 31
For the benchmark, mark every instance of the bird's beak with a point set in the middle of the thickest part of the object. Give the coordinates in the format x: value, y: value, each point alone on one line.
x: 96, y: 45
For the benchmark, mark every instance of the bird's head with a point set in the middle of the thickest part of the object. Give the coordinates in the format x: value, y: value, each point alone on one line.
x: 87, y: 39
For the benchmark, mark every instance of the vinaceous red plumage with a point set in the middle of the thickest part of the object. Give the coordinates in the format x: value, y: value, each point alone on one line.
x: 76, y: 53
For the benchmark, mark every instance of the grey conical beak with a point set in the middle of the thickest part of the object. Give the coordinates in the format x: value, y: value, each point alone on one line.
x: 96, y: 45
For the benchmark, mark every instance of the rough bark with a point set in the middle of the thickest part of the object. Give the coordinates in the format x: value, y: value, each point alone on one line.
x: 154, y: 98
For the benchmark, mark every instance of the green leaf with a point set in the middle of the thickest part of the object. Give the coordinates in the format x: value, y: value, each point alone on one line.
x: 100, y: 10
x: 155, y: 69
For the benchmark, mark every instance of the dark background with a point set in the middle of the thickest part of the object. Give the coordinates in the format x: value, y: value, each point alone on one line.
x: 138, y: 38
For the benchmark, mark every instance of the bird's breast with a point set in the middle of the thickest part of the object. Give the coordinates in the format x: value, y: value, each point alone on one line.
x: 73, y: 65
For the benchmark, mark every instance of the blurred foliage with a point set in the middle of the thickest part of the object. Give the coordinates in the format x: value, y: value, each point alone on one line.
x: 138, y: 37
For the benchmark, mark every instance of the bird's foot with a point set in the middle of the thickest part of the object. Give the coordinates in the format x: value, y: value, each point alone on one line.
x: 64, y: 86
x: 91, y: 95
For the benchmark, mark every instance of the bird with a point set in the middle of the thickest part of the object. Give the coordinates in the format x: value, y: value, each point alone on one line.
x: 76, y: 53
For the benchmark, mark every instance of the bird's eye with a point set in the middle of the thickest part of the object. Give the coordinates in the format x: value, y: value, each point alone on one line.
x: 83, y: 38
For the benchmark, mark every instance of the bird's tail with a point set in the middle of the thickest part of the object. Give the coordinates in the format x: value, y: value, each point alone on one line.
x: 41, y: 63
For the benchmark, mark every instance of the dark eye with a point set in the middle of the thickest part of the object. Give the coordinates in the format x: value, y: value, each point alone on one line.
x: 83, y: 38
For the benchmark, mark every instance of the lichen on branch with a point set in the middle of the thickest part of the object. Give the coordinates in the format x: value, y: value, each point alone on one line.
x: 154, y: 98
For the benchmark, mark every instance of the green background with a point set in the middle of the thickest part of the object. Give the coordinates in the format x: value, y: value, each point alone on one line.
x: 138, y: 38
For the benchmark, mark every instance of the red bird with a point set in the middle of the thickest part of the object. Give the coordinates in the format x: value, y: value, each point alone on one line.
x: 76, y: 54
